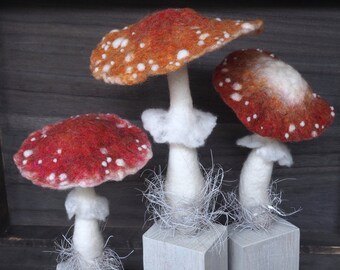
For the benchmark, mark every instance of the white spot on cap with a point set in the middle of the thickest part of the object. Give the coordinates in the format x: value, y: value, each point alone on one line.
x: 218, y: 19
x: 316, y: 125
x: 291, y: 128
x: 140, y: 148
x: 255, y: 116
x: 314, y: 95
x: 261, y: 127
x: 204, y: 36
x: 55, y: 160
x: 332, y: 108
x: 39, y: 161
x: 144, y: 146
x: 28, y: 153
x: 220, y: 84
x: 120, y: 162
x: 137, y: 141
x: 182, y: 54
x: 128, y: 69
x: 24, y: 162
x: 51, y: 177
x: 129, y: 57
x: 236, y: 86
x: 112, y: 63
x: 103, y: 150
x: 226, y: 35
x: 133, y: 33
x: 150, y: 61
x: 224, y: 70
x: 124, y: 43
x: 227, y: 80
x: 248, y: 118
x: 332, y: 114
x: 121, y: 50
x: 246, y: 103
x: 59, y: 151
x: 63, y: 176
x: 286, y: 135
x: 106, y: 68
x: 198, y: 32
x: 134, y: 75
x: 114, y: 30
x: 142, y: 45
x: 248, y: 27
x: 116, y: 43
x: 96, y: 69
x: 302, y: 123
x: 33, y: 139
x: 200, y: 43
x: 108, y: 159
x: 104, y: 56
x: 107, y: 171
x: 154, y: 67
x: 314, y: 133
x: 141, y: 67
x: 104, y: 163
x: 236, y: 96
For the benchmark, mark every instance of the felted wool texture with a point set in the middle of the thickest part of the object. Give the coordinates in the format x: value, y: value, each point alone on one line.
x: 161, y: 43
x: 83, y: 151
x: 85, y: 204
x: 190, y: 128
x: 268, y: 149
x: 270, y: 97
x: 189, y: 217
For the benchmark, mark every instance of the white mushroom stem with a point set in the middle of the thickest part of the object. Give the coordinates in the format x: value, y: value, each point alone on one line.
x: 257, y: 169
x: 184, y: 180
x: 88, y: 208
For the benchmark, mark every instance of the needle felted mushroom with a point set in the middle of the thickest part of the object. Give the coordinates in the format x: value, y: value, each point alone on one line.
x: 80, y: 153
x: 272, y: 100
x: 163, y: 43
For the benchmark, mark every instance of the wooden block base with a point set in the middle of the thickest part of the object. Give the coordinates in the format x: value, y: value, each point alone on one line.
x: 277, y: 248
x: 163, y: 251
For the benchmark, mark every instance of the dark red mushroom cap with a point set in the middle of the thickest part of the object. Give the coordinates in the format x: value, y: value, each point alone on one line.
x: 270, y: 97
x: 161, y: 43
x: 83, y: 151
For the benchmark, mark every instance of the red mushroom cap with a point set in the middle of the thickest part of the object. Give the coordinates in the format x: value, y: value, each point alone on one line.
x: 162, y: 42
x: 83, y: 151
x: 270, y: 97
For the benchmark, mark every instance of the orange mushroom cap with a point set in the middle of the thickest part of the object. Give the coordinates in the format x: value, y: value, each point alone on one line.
x: 270, y: 97
x: 161, y: 43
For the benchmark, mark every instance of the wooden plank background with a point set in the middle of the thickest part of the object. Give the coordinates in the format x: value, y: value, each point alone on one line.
x: 44, y: 77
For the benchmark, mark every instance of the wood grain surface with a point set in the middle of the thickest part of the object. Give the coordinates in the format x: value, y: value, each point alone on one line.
x: 44, y: 77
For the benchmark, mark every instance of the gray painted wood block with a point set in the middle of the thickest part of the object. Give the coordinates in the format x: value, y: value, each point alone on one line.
x: 277, y: 248
x: 206, y: 251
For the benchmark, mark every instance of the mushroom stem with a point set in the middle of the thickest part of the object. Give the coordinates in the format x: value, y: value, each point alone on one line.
x: 184, y: 180
x: 256, y: 174
x: 88, y: 208
x: 254, y: 181
x: 180, y: 96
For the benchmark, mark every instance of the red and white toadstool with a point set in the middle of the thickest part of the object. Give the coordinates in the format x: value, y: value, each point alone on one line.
x: 80, y: 153
x: 272, y: 100
x: 163, y: 43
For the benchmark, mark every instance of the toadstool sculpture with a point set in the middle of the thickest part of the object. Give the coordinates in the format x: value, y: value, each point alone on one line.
x: 272, y: 100
x: 164, y: 43
x: 80, y: 153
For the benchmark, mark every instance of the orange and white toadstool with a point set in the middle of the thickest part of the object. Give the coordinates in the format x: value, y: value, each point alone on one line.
x: 164, y: 43
x: 80, y: 153
x: 272, y: 100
